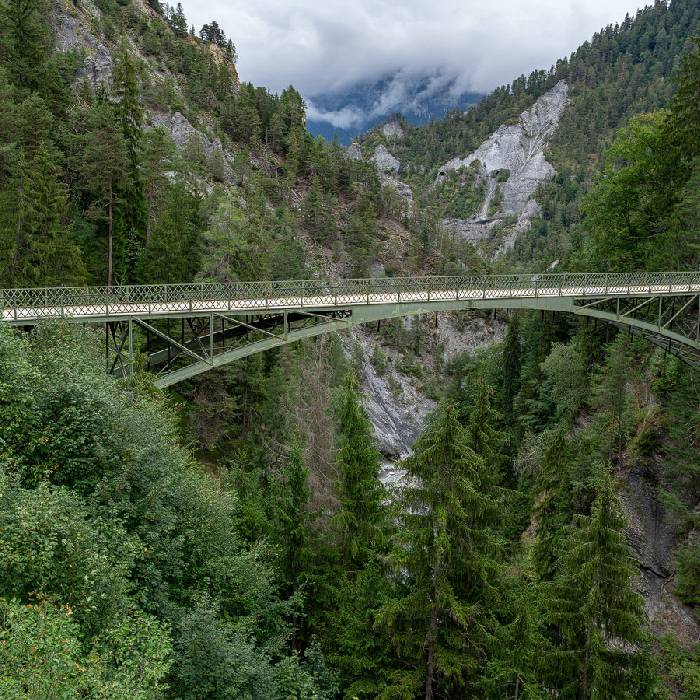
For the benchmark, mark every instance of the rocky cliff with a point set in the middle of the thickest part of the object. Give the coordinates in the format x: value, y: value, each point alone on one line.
x: 512, y: 165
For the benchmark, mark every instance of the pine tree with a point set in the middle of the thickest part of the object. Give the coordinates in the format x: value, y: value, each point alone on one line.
x: 485, y: 438
x: 178, y: 21
x: 159, y: 158
x: 316, y: 214
x: 35, y: 210
x: 599, y: 615
x: 611, y: 395
x: 291, y: 516
x: 101, y: 158
x: 441, y: 624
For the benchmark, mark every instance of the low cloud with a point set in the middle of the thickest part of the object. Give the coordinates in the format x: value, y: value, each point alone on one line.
x: 345, y: 118
x: 325, y: 46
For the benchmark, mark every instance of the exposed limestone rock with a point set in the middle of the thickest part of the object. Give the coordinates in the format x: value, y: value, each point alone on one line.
x: 402, y: 189
x: 392, y: 130
x: 183, y: 133
x: 353, y: 151
x: 394, y: 405
x: 385, y: 162
x: 651, y: 533
x: 177, y: 125
x: 73, y: 36
x: 472, y: 230
x: 531, y: 210
x: 519, y: 150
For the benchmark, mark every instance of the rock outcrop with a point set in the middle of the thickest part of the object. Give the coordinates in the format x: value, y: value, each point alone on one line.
x: 512, y: 162
x: 395, y: 407
x: 387, y: 167
x: 72, y: 35
x: 385, y: 162
x: 650, y: 530
x: 353, y: 151
x: 392, y: 130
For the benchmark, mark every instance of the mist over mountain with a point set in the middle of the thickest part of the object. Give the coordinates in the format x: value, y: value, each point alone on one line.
x: 349, y: 112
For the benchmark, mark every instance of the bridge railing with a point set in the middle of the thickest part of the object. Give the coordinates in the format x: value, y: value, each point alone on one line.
x: 19, y: 304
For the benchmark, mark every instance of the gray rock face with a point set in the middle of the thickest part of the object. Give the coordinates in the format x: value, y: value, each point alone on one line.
x: 518, y: 149
x: 396, y: 409
x: 385, y: 162
x: 394, y: 406
x: 353, y: 151
x: 71, y: 35
x: 387, y: 167
x: 650, y: 531
x: 392, y: 130
x: 401, y: 188
x: 472, y: 230
x: 177, y: 125
x: 182, y: 133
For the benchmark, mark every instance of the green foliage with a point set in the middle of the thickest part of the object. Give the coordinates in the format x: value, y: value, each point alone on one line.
x: 41, y: 656
x: 361, y: 514
x: 441, y: 622
x: 104, y: 513
x: 689, y: 573
x: 596, y: 610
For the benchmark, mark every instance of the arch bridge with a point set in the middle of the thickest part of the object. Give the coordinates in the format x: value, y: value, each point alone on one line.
x: 187, y: 329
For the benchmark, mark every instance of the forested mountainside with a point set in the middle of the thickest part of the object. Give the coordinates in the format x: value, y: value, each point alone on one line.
x: 234, y: 540
x: 625, y: 69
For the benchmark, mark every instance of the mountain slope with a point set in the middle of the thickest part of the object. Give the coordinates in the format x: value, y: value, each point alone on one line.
x: 234, y: 539
x: 624, y: 70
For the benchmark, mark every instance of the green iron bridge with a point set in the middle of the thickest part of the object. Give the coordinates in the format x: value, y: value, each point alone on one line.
x: 187, y: 329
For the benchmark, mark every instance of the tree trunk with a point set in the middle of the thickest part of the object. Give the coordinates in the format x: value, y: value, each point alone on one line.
x: 431, y: 637
x: 430, y: 648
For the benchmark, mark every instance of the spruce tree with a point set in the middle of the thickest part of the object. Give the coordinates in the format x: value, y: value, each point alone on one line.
x: 291, y: 516
x: 134, y: 211
x: 599, y: 615
x: 35, y: 208
x: 512, y: 357
x: 441, y: 623
x: 25, y: 40
x: 101, y: 158
x: 486, y: 439
x: 360, y: 519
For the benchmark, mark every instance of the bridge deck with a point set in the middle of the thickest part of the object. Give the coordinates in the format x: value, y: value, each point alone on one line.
x: 98, y: 304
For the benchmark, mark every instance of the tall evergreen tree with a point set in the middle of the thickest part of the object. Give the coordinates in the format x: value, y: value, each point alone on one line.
x: 512, y: 357
x: 441, y: 623
x: 25, y: 40
x: 101, y: 158
x: 291, y: 516
x: 360, y: 519
x: 598, y: 613
x: 486, y: 439
x: 133, y: 212
x: 34, y: 212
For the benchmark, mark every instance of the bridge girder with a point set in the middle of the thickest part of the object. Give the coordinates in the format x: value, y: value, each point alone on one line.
x: 220, y: 323
x: 369, y: 314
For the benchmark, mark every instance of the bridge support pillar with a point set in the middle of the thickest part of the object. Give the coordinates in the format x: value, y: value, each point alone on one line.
x: 119, y: 348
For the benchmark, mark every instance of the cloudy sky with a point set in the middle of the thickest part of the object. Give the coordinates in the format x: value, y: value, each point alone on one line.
x: 321, y: 45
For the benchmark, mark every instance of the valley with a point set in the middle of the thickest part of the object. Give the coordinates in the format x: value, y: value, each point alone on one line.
x: 466, y: 489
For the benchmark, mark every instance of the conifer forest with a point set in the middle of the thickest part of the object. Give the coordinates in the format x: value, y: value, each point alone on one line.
x: 496, y: 505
